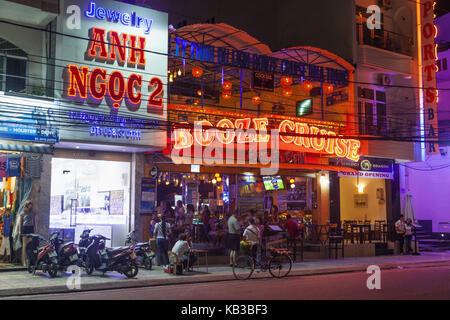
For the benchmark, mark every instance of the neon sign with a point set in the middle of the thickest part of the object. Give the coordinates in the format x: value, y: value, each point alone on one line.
x: 94, y: 85
x: 312, y: 139
x: 115, y: 16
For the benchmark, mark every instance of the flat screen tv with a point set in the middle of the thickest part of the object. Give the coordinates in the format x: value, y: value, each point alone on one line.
x: 273, y: 183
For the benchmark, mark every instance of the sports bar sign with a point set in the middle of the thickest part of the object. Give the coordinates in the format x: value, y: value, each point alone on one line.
x: 114, y: 69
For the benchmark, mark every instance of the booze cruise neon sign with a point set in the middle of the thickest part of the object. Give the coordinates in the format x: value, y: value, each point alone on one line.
x: 309, y: 139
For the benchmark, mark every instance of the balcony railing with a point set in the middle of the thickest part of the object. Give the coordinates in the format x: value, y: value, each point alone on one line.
x: 384, y: 39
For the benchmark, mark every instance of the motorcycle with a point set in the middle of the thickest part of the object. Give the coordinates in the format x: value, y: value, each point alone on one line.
x: 143, y: 251
x: 41, y: 258
x: 67, y: 252
x: 85, y: 241
x: 122, y: 259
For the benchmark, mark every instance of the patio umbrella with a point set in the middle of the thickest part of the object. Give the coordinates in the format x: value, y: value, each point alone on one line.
x: 408, y: 210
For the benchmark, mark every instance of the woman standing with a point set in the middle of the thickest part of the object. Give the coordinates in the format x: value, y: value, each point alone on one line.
x: 162, y: 230
x: 27, y: 222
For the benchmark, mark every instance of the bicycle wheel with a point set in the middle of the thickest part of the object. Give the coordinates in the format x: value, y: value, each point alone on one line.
x: 243, y: 268
x: 280, y: 265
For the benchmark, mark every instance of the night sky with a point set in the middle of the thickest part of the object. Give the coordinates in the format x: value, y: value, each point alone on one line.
x: 442, y: 7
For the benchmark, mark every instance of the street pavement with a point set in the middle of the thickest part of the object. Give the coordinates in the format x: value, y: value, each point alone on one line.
x: 17, y: 283
x: 412, y: 283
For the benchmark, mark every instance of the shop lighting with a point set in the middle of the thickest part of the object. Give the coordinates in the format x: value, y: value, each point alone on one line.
x: 360, y: 188
x: 292, y: 181
x: 167, y: 183
x: 214, y: 181
x: 219, y: 179
x: 179, y: 72
x: 217, y: 175
x: 324, y: 180
x: 293, y: 186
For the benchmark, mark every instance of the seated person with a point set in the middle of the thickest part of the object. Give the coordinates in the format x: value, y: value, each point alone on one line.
x: 181, y: 249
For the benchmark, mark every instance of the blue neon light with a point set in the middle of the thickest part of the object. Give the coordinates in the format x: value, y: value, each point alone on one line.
x: 115, y: 16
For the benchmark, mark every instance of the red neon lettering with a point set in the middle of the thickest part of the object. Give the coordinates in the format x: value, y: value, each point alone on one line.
x: 429, y: 30
x: 227, y: 136
x: 302, y: 128
x: 153, y: 101
x: 341, y: 147
x: 353, y: 148
x: 95, y: 74
x: 183, y: 139
x: 137, y: 51
x: 98, y: 41
x: 76, y: 80
x: 117, y: 45
x: 132, y: 79
x: 284, y: 125
x: 203, y: 137
x: 261, y: 126
x: 244, y: 124
x: 330, y: 143
x: 116, y: 92
x: 315, y: 141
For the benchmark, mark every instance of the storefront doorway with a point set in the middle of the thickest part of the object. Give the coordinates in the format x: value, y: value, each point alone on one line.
x: 90, y: 194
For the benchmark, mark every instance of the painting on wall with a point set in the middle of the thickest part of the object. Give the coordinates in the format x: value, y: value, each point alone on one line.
x: 361, y: 201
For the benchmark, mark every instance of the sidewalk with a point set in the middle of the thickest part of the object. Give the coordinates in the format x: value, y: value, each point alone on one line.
x: 21, y: 283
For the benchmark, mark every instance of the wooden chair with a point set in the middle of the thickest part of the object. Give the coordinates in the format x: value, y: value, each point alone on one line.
x: 336, y: 237
x: 175, y: 264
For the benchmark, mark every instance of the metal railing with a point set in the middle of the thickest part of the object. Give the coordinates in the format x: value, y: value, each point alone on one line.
x: 384, y: 39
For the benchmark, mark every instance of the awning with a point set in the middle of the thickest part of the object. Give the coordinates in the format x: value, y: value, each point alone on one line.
x: 26, y: 148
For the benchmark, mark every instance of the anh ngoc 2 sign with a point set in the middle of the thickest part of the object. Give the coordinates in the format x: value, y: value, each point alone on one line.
x: 116, y: 65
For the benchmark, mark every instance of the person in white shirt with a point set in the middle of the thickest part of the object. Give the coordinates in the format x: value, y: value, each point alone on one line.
x: 182, y: 248
x: 234, y: 232
x: 252, y: 235
x: 400, y: 232
x: 408, y: 235
x: 179, y: 210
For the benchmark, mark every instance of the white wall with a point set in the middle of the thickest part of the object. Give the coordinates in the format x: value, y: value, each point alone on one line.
x: 430, y: 190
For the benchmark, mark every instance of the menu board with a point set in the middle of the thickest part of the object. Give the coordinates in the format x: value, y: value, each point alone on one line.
x: 116, y: 202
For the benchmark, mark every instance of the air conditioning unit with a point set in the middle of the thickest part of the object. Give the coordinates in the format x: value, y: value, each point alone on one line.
x: 385, y: 4
x: 385, y: 80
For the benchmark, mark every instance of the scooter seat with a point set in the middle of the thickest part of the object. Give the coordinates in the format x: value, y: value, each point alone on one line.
x: 116, y: 250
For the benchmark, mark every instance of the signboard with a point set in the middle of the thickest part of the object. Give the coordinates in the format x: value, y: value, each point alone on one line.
x: 190, y: 50
x: 34, y: 121
x: 304, y: 107
x: 148, y: 195
x: 116, y: 202
x: 113, y: 81
x: 429, y: 56
x: 263, y: 81
x: 366, y: 167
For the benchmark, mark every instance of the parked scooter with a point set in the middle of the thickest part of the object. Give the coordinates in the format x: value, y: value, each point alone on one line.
x: 85, y: 241
x: 41, y: 258
x: 122, y: 259
x: 143, y: 251
x: 67, y: 252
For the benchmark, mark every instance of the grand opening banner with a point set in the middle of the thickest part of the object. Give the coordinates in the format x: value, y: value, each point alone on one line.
x: 111, y: 67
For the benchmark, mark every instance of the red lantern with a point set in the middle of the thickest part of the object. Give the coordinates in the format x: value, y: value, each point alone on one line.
x: 256, y: 100
x: 226, y: 94
x: 197, y: 72
x: 286, y: 81
x: 227, y: 85
x: 307, y: 85
x: 287, y: 92
x: 328, y: 88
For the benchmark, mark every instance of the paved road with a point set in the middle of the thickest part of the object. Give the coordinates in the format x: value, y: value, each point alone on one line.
x: 413, y: 283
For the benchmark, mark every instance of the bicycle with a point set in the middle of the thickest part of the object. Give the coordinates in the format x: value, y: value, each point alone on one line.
x: 279, y: 264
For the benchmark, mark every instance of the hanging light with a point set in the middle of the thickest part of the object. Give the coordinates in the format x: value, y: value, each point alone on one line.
x: 286, y: 81
x: 179, y: 72
x: 167, y: 183
x: 219, y: 179
x: 226, y: 94
x: 196, y: 102
x: 292, y: 186
x: 307, y: 85
x: 199, y: 93
x: 197, y: 72
x: 256, y: 100
x: 292, y: 181
x: 227, y: 85
x: 217, y: 175
x: 287, y: 92
x: 328, y: 88
x: 214, y: 181
x: 171, y: 78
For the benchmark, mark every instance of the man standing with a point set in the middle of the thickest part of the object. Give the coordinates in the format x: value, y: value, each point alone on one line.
x: 291, y: 228
x: 234, y: 232
x: 400, y: 231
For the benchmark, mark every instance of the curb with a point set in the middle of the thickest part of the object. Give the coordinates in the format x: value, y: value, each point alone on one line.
x: 177, y: 280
